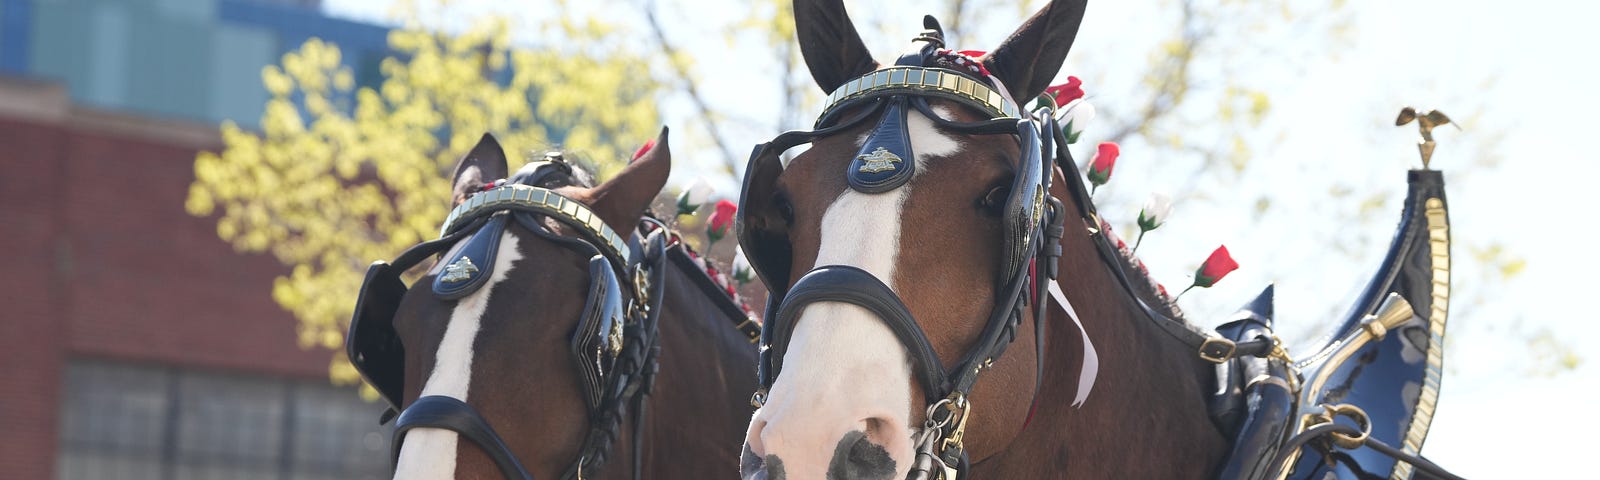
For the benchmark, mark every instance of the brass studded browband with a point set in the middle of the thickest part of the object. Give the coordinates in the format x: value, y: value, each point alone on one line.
x: 538, y: 200
x: 922, y: 81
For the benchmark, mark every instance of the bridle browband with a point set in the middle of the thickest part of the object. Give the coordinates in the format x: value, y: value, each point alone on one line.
x: 615, y: 344
x: 1034, y: 223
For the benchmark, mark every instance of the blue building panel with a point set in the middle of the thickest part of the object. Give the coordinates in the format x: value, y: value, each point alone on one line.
x: 16, y: 27
x: 191, y: 59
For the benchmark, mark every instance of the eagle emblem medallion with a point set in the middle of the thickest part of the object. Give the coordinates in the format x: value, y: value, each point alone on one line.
x: 879, y: 160
x: 459, y: 271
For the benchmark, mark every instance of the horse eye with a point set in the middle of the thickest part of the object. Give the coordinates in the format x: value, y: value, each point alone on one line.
x: 785, y: 209
x: 995, y: 199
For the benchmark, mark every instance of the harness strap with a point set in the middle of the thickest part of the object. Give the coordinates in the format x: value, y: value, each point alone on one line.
x: 438, y: 411
x: 844, y: 283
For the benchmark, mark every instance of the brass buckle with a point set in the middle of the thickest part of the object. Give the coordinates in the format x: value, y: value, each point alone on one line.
x: 754, y: 334
x: 1216, y: 349
x: 1345, y: 441
x: 959, y: 408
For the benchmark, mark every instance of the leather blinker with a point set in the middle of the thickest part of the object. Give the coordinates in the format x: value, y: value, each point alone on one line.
x: 598, y: 338
x: 373, y: 346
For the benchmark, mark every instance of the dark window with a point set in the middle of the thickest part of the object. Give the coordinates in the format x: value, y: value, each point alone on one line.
x: 146, y: 422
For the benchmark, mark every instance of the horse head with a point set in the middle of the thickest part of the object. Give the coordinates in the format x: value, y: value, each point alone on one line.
x: 531, y: 330
x: 902, y: 247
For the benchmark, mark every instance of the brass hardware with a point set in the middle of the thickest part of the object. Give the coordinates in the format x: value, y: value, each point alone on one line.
x: 459, y: 271
x: 923, y: 79
x: 1374, y: 328
x: 1425, y: 123
x: 1352, y: 412
x: 1269, y: 380
x: 759, y: 398
x: 748, y: 321
x: 1279, y: 351
x: 524, y: 197
x: 959, y: 409
x: 1438, y: 315
x: 1394, y: 312
x: 1216, y: 349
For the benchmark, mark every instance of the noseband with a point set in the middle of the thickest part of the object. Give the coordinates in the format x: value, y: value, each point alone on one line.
x: 614, y: 345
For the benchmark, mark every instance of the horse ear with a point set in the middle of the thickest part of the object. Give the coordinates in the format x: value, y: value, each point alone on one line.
x: 622, y: 199
x: 1027, y: 60
x: 830, y: 44
x: 485, y: 163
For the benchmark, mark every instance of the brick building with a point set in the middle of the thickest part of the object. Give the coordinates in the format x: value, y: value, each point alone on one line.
x: 133, y: 342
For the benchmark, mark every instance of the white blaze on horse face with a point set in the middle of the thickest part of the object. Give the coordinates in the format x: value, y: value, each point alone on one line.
x: 430, y: 453
x: 845, y: 370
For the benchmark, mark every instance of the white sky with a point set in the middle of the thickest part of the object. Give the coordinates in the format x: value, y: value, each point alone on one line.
x: 1521, y: 71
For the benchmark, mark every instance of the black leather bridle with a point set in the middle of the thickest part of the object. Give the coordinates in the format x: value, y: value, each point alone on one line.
x: 614, y: 346
x: 1034, y: 226
x: 886, y: 162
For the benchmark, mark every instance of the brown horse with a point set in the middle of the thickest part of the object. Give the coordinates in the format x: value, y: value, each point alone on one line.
x: 529, y: 349
x: 931, y: 230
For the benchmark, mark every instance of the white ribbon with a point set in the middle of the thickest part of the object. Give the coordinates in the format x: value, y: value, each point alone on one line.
x: 1091, y: 360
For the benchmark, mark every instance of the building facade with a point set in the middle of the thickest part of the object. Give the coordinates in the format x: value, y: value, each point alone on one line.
x: 135, y: 344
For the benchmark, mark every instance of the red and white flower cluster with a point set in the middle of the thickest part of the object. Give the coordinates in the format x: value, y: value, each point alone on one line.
x: 966, y: 59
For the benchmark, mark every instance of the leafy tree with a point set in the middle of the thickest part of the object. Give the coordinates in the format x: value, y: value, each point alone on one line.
x: 339, y: 176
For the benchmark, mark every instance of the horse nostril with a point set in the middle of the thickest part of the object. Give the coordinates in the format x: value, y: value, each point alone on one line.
x: 756, y: 467
x: 858, y: 458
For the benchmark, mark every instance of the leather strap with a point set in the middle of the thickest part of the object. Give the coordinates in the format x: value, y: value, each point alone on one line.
x: 847, y: 284
x: 437, y: 411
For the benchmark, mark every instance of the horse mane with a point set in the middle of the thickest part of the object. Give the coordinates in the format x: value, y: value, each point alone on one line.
x: 716, y: 284
x: 1145, y: 287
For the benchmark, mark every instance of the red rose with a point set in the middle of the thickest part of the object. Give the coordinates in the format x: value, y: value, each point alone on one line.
x: 643, y: 149
x: 721, y: 220
x: 1216, y: 267
x: 1067, y: 92
x: 1105, y: 157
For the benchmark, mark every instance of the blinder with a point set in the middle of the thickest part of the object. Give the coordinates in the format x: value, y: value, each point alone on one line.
x: 372, y: 345
x: 597, y: 340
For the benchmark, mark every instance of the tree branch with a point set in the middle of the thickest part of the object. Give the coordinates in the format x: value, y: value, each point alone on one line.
x: 689, y: 86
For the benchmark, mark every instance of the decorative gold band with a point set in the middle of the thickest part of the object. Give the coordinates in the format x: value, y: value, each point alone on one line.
x: 524, y: 197
x: 923, y: 81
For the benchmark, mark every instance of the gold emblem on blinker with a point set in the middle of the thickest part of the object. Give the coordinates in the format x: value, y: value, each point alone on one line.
x: 879, y: 160
x: 459, y: 271
x: 614, y: 339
